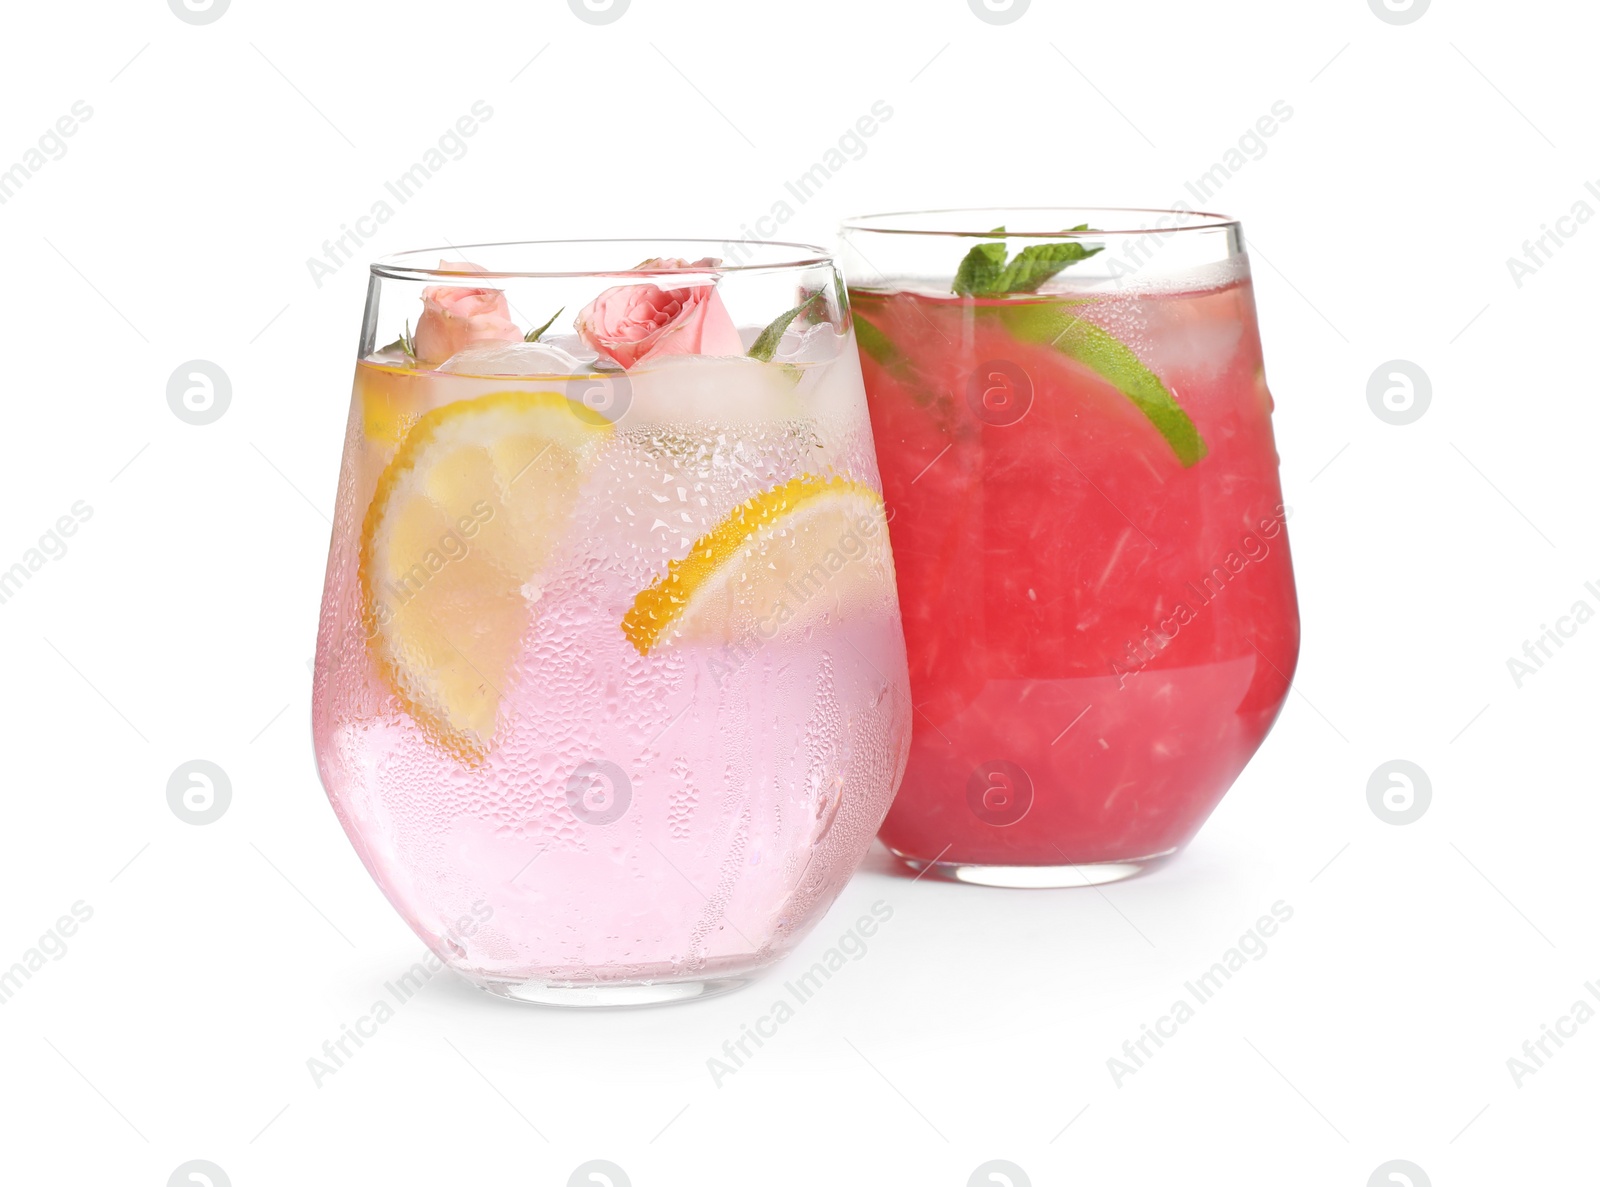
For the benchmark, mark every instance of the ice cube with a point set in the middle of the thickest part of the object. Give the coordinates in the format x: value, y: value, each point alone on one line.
x: 813, y: 344
x: 573, y: 345
x: 717, y: 390
x: 1193, y: 337
x: 512, y: 358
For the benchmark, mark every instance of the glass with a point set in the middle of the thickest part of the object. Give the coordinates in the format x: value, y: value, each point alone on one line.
x: 1075, y: 436
x: 610, y: 691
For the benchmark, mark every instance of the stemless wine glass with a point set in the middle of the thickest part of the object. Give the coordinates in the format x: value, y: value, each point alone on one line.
x: 610, y: 690
x: 1075, y: 435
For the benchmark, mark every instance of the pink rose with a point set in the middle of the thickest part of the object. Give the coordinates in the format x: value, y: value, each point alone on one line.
x: 634, y: 323
x: 456, y: 317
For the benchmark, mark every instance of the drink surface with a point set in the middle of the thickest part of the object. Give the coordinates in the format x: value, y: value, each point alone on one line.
x: 519, y: 738
x: 1098, y: 600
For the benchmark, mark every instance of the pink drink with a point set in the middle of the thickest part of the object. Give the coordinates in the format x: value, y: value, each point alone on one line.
x: 1100, y: 612
x: 634, y: 822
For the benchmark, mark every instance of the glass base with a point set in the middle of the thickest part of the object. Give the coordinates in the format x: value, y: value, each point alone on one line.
x: 1036, y: 877
x: 594, y: 995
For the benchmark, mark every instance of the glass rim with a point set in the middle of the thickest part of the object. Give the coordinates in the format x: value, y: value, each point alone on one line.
x: 399, y: 265
x: 886, y: 223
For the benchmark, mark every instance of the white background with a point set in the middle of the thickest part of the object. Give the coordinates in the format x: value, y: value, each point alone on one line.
x: 180, y: 621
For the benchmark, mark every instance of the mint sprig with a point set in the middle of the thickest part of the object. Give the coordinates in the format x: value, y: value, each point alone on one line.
x: 985, y: 272
x: 766, y: 344
x: 981, y: 269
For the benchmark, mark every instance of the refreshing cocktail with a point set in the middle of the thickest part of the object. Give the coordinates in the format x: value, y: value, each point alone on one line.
x: 1075, y: 436
x: 611, y: 688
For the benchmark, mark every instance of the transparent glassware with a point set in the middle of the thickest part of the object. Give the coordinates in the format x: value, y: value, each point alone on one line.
x: 1075, y: 436
x: 610, y: 692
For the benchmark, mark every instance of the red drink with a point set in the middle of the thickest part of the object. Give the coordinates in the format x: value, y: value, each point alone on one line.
x: 1094, y: 575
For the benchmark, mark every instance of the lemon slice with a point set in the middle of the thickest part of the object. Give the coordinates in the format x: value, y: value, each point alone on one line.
x: 462, y: 522
x: 780, y: 560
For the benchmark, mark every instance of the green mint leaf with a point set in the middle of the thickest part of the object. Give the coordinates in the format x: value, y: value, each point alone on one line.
x: 1057, y: 325
x: 766, y: 343
x: 985, y: 273
x: 1037, y: 264
x: 409, y: 343
x: 533, y: 335
x: 879, y: 349
x: 981, y: 269
x: 876, y: 345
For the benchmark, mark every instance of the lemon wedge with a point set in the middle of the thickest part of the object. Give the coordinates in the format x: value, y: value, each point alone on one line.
x: 780, y: 560
x: 463, y: 520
